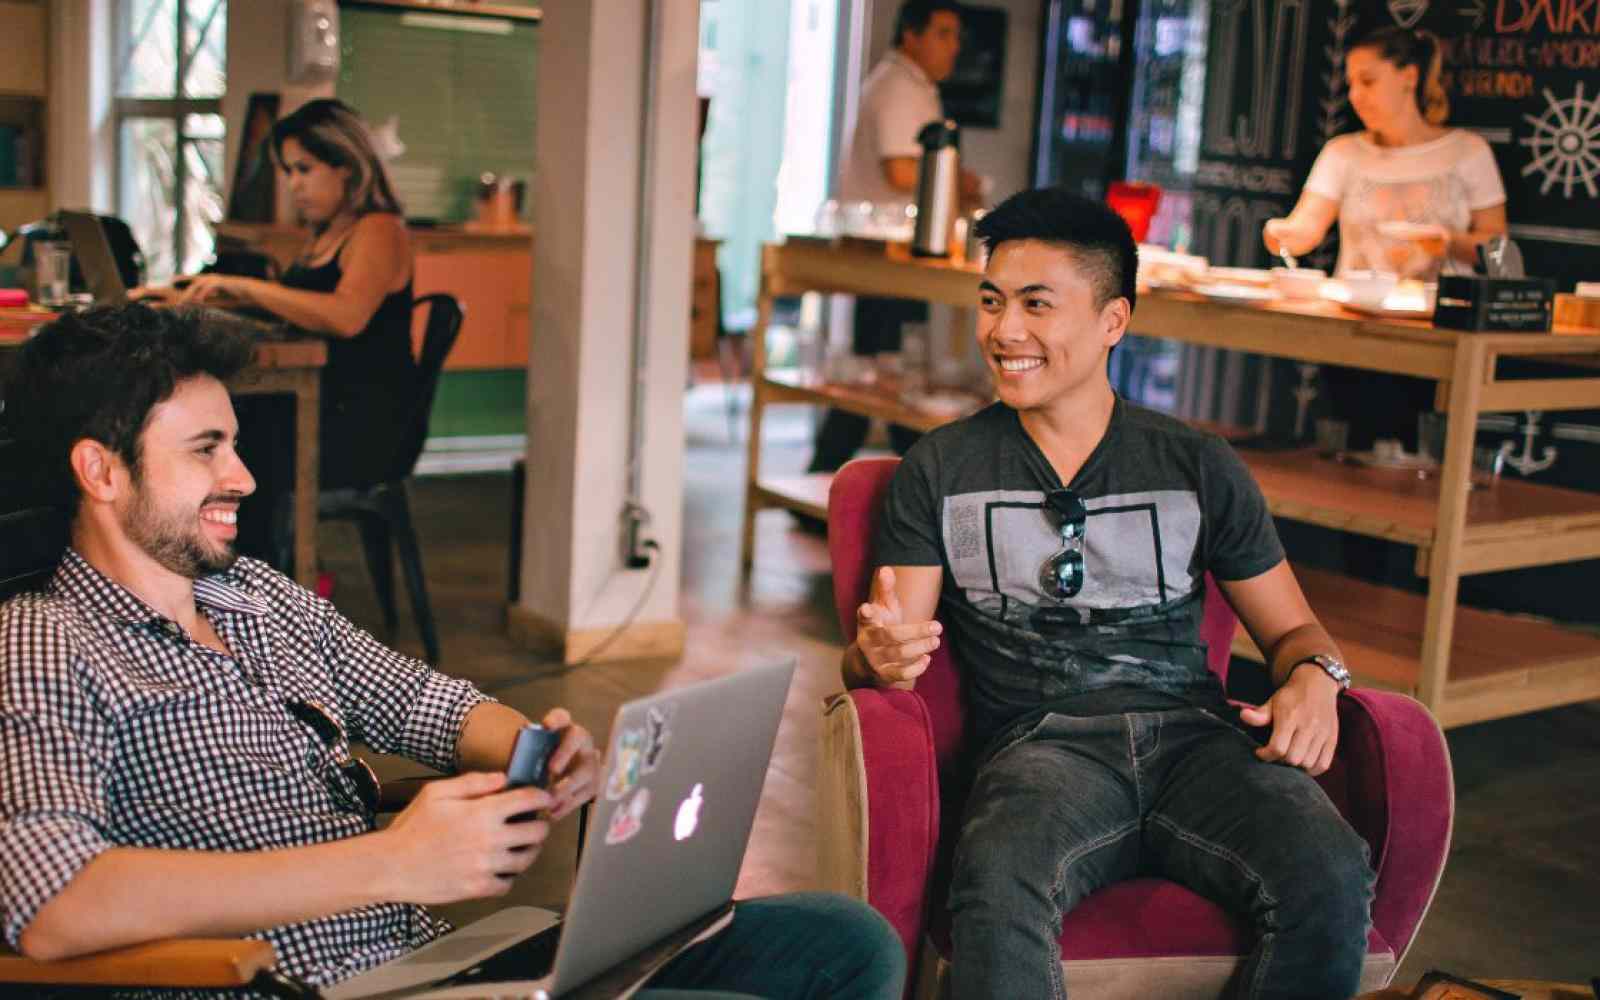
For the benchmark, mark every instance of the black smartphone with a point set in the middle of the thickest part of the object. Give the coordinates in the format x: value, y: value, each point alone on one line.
x: 530, y: 757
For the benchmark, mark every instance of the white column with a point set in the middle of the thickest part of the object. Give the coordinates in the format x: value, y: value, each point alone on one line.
x: 80, y: 153
x: 575, y: 590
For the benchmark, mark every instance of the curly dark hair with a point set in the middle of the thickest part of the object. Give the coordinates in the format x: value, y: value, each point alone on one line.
x: 1089, y: 229
x: 98, y: 374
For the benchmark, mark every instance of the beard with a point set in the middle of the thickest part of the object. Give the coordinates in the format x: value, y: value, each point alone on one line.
x: 173, y: 539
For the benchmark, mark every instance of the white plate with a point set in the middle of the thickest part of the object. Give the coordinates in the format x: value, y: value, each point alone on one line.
x: 1236, y: 293
x: 1399, y: 230
x: 1238, y: 276
x: 1391, y: 311
x: 1405, y: 460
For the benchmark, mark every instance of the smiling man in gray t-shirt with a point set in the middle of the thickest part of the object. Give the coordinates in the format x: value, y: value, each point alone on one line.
x: 1064, y: 537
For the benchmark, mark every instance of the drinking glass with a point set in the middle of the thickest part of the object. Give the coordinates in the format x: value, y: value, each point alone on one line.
x: 52, y: 264
x: 1431, y: 430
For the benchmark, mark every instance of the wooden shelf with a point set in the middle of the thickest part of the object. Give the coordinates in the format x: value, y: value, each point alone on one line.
x: 802, y: 494
x: 1511, y: 523
x: 790, y: 385
x: 1500, y: 664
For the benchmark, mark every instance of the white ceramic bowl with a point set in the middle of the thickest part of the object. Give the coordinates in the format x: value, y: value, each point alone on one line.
x: 1298, y: 282
x: 1368, y: 288
x: 1415, y: 231
x: 1257, y: 276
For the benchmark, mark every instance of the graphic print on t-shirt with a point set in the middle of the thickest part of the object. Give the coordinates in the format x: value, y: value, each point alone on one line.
x: 1138, y: 552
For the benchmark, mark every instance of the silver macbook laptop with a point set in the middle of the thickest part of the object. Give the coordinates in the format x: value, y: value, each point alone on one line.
x: 94, y: 255
x: 671, y: 820
x: 105, y: 282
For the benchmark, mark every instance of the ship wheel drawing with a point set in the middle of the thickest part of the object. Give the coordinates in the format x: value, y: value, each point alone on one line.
x: 1566, y: 143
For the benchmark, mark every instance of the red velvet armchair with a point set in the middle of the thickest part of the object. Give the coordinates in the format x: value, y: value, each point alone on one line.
x: 883, y: 805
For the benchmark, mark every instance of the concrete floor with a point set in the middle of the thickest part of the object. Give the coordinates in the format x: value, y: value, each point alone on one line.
x: 1520, y: 897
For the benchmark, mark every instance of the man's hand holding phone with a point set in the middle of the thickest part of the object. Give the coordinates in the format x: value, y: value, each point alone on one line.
x: 558, y: 755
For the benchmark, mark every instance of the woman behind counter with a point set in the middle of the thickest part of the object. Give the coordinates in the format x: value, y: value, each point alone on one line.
x: 1405, y: 167
x: 351, y: 282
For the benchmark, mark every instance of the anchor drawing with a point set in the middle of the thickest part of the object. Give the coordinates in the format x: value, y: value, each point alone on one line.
x: 1525, y: 463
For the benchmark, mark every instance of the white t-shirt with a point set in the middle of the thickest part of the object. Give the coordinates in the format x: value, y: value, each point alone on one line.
x: 1442, y: 181
x: 897, y: 100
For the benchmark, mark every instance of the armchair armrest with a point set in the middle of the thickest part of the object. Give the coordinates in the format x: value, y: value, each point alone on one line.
x: 878, y: 805
x: 1393, y: 783
x: 176, y: 964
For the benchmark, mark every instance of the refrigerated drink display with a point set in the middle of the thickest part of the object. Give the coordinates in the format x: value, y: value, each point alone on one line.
x: 1122, y: 96
x: 1083, y: 95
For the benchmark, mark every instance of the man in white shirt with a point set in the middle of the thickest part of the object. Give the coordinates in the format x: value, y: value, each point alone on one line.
x: 879, y: 165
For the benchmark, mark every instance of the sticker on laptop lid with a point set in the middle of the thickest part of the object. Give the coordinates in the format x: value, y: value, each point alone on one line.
x: 627, y: 819
x: 631, y: 745
x: 658, y: 731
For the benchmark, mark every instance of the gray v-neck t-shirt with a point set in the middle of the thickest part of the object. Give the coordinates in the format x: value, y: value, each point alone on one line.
x: 1166, y: 505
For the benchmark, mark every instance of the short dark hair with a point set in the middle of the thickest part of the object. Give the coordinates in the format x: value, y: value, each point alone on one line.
x: 915, y: 14
x: 98, y: 374
x: 1089, y: 229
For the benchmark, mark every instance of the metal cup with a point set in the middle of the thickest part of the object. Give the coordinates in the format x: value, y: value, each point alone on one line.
x: 1333, y: 436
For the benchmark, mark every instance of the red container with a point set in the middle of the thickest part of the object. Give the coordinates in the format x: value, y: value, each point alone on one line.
x: 1136, y: 203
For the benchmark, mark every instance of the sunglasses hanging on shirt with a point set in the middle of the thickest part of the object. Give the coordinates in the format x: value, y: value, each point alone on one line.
x: 1061, y: 575
x: 353, y: 769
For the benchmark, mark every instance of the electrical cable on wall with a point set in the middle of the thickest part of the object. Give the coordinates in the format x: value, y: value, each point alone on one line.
x: 636, y: 548
x: 654, y: 549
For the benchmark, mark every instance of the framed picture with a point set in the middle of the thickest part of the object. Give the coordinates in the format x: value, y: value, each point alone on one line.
x: 972, y: 95
x: 255, y: 189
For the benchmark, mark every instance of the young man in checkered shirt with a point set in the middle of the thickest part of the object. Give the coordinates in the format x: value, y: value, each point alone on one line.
x: 175, y: 721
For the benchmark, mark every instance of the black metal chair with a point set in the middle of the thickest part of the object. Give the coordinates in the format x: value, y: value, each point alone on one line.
x: 32, y: 534
x: 381, y: 510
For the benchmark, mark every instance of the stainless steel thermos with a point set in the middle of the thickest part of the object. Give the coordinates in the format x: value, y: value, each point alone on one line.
x: 938, y: 188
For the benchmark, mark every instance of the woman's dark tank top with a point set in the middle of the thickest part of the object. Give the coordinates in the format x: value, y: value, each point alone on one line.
x: 368, y: 384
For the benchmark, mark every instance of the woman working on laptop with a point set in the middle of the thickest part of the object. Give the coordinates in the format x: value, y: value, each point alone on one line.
x: 352, y: 283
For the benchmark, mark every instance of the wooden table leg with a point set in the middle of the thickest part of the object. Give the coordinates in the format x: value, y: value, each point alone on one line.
x: 1444, y: 570
x: 752, y: 473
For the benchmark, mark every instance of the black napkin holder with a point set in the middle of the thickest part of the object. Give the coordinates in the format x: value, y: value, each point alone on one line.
x: 1515, y: 305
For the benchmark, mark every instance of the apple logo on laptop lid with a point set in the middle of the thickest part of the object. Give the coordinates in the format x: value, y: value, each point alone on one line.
x: 688, y: 815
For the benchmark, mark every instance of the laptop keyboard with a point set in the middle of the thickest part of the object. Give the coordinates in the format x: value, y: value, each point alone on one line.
x: 532, y: 958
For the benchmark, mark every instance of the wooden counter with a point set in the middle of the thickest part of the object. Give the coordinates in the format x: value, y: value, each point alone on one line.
x: 1465, y: 664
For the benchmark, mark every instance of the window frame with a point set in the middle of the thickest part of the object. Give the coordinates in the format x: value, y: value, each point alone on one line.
x: 175, y: 109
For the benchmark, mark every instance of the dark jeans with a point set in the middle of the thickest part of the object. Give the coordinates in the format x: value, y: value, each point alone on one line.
x: 1076, y: 803
x: 877, y: 329
x: 800, y: 945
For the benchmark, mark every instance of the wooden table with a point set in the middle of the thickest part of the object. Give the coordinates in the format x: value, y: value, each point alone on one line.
x: 1466, y: 665
x: 291, y: 366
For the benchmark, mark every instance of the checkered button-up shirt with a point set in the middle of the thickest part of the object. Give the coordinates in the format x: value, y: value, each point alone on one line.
x: 118, y: 730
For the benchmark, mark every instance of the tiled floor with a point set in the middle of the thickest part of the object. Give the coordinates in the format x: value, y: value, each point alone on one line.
x: 1521, y: 896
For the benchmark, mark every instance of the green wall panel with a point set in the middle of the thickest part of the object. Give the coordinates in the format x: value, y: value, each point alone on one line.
x: 476, y: 404
x: 463, y: 96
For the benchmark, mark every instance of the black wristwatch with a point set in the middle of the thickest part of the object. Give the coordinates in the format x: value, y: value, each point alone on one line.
x: 1331, y: 665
